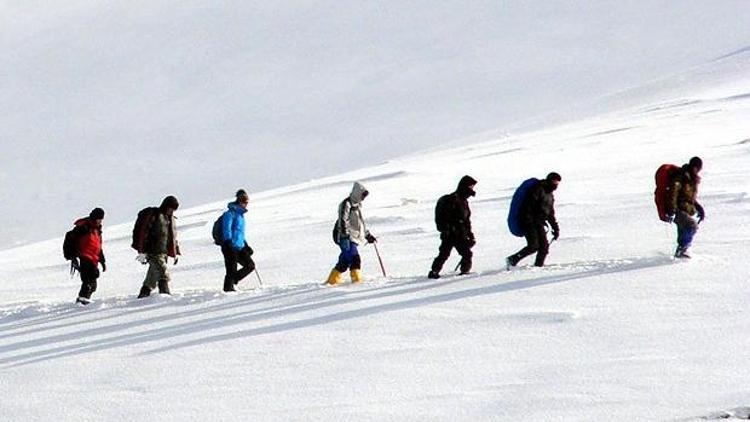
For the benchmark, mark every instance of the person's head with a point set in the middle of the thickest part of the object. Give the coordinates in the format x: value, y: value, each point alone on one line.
x: 169, y: 205
x: 242, y: 198
x: 695, y: 164
x: 359, y: 192
x: 552, y: 181
x: 97, y: 215
x: 466, y: 187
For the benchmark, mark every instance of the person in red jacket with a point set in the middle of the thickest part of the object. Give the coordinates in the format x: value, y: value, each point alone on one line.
x: 89, y: 253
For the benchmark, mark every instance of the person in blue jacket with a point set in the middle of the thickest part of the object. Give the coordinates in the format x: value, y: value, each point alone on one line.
x: 234, y: 247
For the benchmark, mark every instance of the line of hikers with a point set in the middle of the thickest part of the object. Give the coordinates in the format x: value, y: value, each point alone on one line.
x: 531, y: 212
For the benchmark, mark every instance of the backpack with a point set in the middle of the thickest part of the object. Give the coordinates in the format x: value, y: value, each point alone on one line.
x: 70, y: 244
x: 140, y: 227
x: 217, y: 231
x: 664, y: 175
x: 514, y: 214
x: 443, y: 212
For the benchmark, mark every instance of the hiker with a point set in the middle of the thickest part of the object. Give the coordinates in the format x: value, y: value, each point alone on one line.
x: 536, y: 211
x: 682, y: 205
x: 84, y: 245
x: 350, y: 232
x: 453, y: 221
x: 155, y: 239
x: 233, y: 245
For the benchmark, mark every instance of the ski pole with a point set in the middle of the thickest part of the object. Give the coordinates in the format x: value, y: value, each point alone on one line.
x: 260, y: 282
x: 380, y: 260
x: 457, y: 265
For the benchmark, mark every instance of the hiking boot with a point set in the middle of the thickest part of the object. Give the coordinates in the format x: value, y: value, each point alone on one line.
x: 433, y: 275
x: 334, y: 277
x: 164, y: 287
x: 229, y: 286
x: 681, y: 253
x: 510, y: 262
x: 356, y: 276
x: 145, y: 292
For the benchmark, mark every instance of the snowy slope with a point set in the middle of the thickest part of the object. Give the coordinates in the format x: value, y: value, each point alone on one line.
x: 199, y: 95
x: 612, y: 329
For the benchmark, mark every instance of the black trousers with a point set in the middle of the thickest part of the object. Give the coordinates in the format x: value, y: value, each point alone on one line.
x: 89, y: 274
x: 536, y: 241
x: 447, y: 243
x: 232, y: 258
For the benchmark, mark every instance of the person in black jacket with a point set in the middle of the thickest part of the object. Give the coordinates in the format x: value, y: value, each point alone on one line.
x: 537, y: 210
x: 453, y: 220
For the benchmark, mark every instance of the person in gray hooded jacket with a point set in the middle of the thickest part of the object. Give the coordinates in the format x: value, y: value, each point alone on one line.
x: 349, y: 232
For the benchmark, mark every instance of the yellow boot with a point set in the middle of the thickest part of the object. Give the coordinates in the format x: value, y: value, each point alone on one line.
x: 356, y: 276
x: 334, y: 278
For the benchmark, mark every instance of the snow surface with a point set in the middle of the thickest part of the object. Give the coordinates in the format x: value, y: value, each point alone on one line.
x: 611, y: 329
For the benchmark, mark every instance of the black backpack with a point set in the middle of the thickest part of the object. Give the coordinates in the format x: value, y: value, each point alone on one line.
x: 217, y: 232
x: 144, y: 216
x: 70, y: 244
x: 443, y: 212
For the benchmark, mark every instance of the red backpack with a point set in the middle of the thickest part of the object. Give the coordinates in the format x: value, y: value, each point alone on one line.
x: 663, y: 176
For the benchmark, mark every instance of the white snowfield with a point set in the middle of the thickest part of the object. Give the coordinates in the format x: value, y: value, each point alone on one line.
x: 612, y: 329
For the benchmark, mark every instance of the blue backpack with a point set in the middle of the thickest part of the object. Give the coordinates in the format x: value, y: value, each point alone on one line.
x: 514, y: 215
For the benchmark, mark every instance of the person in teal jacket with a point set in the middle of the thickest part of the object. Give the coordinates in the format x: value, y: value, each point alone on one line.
x: 234, y: 247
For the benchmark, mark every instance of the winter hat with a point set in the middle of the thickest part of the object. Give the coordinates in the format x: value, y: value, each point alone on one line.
x: 696, y: 162
x: 554, y: 176
x: 169, y: 202
x: 242, y: 196
x: 97, y: 214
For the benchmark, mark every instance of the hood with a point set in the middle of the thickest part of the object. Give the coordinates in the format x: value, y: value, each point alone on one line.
x: 357, y: 193
x: 464, y: 189
x: 234, y: 206
x: 86, y: 221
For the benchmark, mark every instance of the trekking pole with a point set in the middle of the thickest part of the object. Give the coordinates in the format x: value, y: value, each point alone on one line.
x: 380, y: 260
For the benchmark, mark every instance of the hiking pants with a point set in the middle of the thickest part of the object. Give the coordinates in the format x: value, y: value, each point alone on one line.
x: 686, y: 228
x: 349, y: 256
x: 232, y: 258
x: 447, y: 243
x: 536, y: 241
x: 157, y: 274
x: 89, y: 274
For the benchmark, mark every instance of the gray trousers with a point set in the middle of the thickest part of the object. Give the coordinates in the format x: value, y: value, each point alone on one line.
x: 157, y: 274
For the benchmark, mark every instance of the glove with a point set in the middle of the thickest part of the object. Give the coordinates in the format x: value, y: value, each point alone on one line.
x: 345, y: 243
x: 142, y: 258
x: 471, y: 240
x: 104, y: 267
x: 176, y: 259
x: 370, y: 238
x: 555, y: 229
x: 670, y: 218
x: 701, y: 213
x: 75, y: 263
